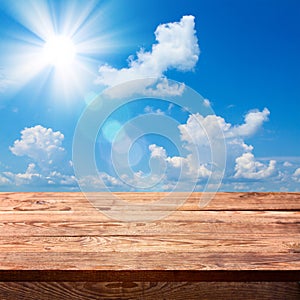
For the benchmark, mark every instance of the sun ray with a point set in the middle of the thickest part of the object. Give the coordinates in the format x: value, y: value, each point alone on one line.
x: 68, y: 44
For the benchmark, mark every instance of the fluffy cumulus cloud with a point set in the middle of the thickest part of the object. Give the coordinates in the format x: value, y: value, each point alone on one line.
x: 188, y: 165
x: 297, y: 172
x: 176, y: 47
x: 201, y: 132
x: 42, y: 145
x: 253, y: 121
x: 218, y: 128
x: 248, y: 167
x: 43, y: 148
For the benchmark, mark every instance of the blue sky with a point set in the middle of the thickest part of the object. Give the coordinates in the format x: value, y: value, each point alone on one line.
x: 241, y: 56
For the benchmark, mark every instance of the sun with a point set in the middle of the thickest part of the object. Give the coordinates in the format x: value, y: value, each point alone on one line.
x: 62, y: 47
x: 59, y: 51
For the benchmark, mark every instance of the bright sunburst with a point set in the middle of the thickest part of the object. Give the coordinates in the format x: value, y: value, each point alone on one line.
x: 59, y: 51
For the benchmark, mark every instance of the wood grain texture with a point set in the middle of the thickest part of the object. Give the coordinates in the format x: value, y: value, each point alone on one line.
x: 61, y: 237
x: 149, y: 290
x: 222, y: 201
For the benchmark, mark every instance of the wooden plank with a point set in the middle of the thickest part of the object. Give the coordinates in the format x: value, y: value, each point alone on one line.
x: 199, y: 243
x: 179, y: 223
x: 78, y: 202
x: 149, y: 275
x: 149, y: 290
x: 150, y: 260
x: 77, y: 228
x: 255, y: 217
x: 218, y: 224
x: 239, y: 236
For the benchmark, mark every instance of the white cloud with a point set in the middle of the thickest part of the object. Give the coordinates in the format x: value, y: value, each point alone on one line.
x: 206, y: 103
x: 150, y: 110
x: 143, y: 181
x: 195, y: 133
x: 42, y: 145
x: 4, y: 181
x: 248, y: 167
x: 253, y: 121
x: 194, y: 165
x: 32, y: 177
x: 100, y: 182
x: 198, y: 128
x: 188, y: 166
x: 61, y: 179
x: 297, y: 172
x: 164, y: 88
x: 287, y: 164
x: 157, y: 152
x: 176, y: 48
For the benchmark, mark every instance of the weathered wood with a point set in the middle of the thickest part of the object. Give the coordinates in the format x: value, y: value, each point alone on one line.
x: 178, y: 223
x: 154, y: 260
x: 77, y: 201
x: 61, y: 237
x: 149, y: 290
x: 198, y: 243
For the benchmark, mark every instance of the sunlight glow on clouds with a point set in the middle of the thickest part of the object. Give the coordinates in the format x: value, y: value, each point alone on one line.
x: 176, y: 48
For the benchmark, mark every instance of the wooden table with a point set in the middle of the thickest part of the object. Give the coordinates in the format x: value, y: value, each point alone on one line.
x: 241, y: 246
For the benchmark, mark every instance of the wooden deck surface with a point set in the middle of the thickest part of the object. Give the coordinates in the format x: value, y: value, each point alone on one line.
x: 251, y: 240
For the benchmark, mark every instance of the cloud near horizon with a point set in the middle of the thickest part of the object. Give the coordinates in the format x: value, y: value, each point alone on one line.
x: 241, y: 161
x: 43, y: 147
x: 176, y: 48
x: 47, y: 168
